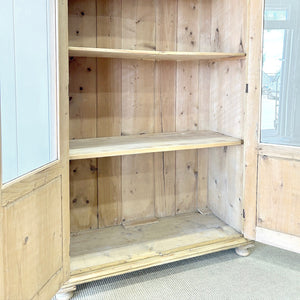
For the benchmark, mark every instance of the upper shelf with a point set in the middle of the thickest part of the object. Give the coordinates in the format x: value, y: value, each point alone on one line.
x: 151, y: 55
x: 148, y: 143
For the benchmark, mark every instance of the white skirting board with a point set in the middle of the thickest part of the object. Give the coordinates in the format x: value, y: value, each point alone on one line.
x: 278, y: 239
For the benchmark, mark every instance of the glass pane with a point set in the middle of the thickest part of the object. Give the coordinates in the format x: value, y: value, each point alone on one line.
x: 280, y: 122
x: 28, y: 86
x: 276, y: 15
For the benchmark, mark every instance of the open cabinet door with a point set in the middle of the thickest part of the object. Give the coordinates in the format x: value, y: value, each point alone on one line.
x: 34, y: 209
x: 273, y: 144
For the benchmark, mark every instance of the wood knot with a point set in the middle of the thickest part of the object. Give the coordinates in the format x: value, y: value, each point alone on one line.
x: 26, y: 240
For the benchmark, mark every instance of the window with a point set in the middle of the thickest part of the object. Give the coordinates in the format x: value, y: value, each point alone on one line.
x: 27, y: 86
x: 280, y: 122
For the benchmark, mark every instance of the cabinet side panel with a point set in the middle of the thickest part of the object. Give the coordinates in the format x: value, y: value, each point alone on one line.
x: 226, y: 112
x: 187, y: 103
x: 138, y: 32
x: 226, y: 168
x: 225, y: 185
x: 165, y: 95
x: 109, y: 110
x: 82, y: 92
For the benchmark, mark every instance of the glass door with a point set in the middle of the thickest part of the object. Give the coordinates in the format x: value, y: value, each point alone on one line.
x: 28, y: 86
x: 280, y: 122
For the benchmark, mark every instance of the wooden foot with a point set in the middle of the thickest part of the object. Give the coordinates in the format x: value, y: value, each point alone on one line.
x: 243, y: 250
x: 65, y: 293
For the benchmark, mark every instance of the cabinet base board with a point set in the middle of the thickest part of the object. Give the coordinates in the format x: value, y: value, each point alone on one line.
x: 145, y: 246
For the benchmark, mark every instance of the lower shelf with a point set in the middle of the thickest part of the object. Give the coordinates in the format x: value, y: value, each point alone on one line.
x: 116, y: 250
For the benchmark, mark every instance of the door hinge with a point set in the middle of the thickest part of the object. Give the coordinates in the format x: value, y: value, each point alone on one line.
x: 247, y: 88
x: 244, y: 215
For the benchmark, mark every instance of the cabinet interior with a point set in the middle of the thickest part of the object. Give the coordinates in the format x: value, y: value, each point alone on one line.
x: 154, y: 202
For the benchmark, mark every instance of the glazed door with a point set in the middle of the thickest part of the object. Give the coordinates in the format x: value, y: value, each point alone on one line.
x: 34, y: 225
x: 274, y: 102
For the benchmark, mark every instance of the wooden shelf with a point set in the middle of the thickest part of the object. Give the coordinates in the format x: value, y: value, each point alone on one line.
x: 151, y: 55
x: 148, y: 143
x: 116, y: 250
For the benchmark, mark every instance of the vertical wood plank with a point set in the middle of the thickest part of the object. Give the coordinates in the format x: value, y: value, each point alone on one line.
x: 205, y: 16
x: 204, y: 100
x: 82, y: 93
x: 83, y: 195
x: 187, y: 103
x: 165, y: 97
x: 229, y: 25
x: 82, y: 23
x: 109, y: 123
x: 254, y: 60
x: 204, y: 108
x: 138, y: 32
x: 109, y: 24
x: 109, y: 110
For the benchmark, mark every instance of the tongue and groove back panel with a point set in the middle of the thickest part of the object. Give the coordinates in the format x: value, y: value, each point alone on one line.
x: 114, y: 97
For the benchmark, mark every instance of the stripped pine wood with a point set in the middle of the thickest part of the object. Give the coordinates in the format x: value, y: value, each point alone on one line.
x: 229, y: 25
x: 83, y: 195
x: 252, y: 115
x: 148, y: 143
x: 82, y: 23
x: 204, y: 101
x: 226, y: 116
x: 203, y: 124
x: 202, y: 184
x: 109, y: 123
x: 138, y: 32
x: 287, y: 152
x: 109, y: 111
x: 187, y: 104
x: 227, y: 111
x: 278, y: 206
x: 32, y: 244
x: 165, y: 236
x: 122, y: 267
x: 165, y: 101
x: 109, y: 24
x: 15, y: 189
x: 162, y: 55
x: 225, y: 193
x: 82, y: 96
x: 63, y: 75
x: 139, y: 247
x: 164, y: 163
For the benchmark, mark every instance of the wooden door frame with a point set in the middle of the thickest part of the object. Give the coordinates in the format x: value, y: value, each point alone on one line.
x: 63, y: 63
x: 13, y: 191
x: 253, y: 147
x: 252, y: 114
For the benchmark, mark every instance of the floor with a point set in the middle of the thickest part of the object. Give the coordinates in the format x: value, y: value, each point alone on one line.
x: 268, y: 273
